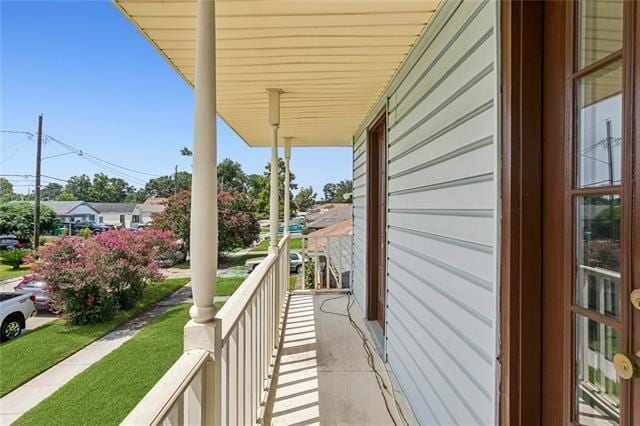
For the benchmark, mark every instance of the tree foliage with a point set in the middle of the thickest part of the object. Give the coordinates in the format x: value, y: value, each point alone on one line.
x: 260, y: 188
x: 17, y: 217
x: 340, y: 192
x: 51, y: 191
x: 6, y: 190
x: 305, y: 199
x: 231, y: 178
x: 165, y: 186
x: 100, y: 189
x: 237, y: 225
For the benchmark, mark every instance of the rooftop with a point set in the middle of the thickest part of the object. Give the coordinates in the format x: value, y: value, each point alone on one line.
x: 113, y: 207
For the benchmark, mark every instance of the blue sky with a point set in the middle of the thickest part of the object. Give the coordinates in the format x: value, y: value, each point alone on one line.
x: 103, y: 89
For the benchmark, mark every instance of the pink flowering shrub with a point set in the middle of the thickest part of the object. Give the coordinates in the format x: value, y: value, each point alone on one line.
x: 90, y: 279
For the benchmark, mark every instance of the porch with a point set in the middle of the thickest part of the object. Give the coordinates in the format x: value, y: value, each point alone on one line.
x: 315, y: 362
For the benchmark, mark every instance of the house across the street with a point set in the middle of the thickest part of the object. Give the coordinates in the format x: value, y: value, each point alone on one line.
x: 116, y: 214
x: 143, y: 214
x: 330, y: 215
x: 73, y: 211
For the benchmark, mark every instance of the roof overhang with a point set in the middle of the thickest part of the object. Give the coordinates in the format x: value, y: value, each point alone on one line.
x: 331, y: 58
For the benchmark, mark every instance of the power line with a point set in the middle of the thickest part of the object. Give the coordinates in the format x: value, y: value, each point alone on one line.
x: 33, y: 176
x: 83, y: 153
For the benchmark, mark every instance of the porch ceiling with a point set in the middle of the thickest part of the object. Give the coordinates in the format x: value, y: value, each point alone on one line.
x: 332, y: 58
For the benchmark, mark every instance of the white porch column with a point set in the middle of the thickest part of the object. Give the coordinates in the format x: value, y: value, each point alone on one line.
x: 287, y: 184
x: 274, y: 121
x: 204, y: 208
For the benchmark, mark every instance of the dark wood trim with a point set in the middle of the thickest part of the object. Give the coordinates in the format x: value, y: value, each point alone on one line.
x: 553, y: 214
x: 521, y: 226
x: 374, y: 219
x: 600, y: 63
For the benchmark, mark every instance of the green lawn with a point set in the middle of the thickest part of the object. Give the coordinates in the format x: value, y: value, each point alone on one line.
x: 7, y: 272
x: 226, y: 286
x: 236, y: 261
x: 33, y: 353
x: 108, y: 390
x: 294, y: 244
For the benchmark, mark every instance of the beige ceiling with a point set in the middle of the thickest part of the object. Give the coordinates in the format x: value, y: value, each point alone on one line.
x: 332, y: 58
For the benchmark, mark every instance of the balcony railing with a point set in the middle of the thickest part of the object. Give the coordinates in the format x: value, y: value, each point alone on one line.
x: 231, y: 384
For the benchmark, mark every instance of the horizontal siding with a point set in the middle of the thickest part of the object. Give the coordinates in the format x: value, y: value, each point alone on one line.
x: 442, y: 201
x: 359, y: 219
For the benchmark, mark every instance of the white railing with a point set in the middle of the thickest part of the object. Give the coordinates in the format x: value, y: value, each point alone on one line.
x: 332, y: 260
x: 230, y: 385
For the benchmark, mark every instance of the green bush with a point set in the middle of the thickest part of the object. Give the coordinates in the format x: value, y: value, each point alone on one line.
x: 16, y: 217
x: 85, y: 233
x: 309, y: 274
x: 13, y: 258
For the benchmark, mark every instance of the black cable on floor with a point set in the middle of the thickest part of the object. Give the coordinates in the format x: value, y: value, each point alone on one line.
x: 370, y: 357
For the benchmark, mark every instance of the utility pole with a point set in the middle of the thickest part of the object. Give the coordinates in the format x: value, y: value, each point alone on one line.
x: 175, y: 181
x: 36, y: 218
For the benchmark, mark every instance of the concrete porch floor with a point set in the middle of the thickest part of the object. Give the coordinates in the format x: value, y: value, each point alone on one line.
x: 325, y: 375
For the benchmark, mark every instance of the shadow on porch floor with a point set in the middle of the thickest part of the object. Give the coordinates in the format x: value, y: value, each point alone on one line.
x: 325, y: 375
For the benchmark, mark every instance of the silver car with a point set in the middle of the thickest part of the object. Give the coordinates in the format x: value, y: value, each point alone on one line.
x: 295, y: 263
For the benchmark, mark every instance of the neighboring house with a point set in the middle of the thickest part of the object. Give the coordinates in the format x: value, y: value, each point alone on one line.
x: 116, y: 214
x: 73, y: 211
x: 144, y: 213
x: 481, y: 132
x: 334, y: 243
x: 330, y: 215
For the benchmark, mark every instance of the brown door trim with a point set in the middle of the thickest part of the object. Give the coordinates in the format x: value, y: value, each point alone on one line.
x: 376, y: 219
x: 521, y: 209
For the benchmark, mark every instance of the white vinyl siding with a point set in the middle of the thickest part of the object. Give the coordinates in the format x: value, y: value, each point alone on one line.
x: 442, y: 186
x: 359, y: 220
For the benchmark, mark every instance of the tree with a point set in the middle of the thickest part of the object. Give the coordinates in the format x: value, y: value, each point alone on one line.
x: 344, y: 190
x: 102, y: 189
x: 6, y: 190
x: 265, y: 188
x: 329, y: 191
x: 105, y: 189
x: 186, y: 152
x: 237, y: 226
x: 51, y: 191
x: 165, y: 186
x: 231, y: 178
x: 79, y: 188
x: 305, y: 199
x: 176, y: 217
x: 16, y: 218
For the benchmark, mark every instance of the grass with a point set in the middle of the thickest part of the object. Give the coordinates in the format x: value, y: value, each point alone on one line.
x: 183, y: 265
x: 7, y: 272
x: 226, y: 286
x: 294, y: 244
x: 106, y: 392
x: 292, y: 281
x: 35, y: 352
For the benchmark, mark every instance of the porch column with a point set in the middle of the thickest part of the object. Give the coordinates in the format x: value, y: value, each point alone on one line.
x: 274, y: 121
x: 204, y: 208
x: 287, y: 184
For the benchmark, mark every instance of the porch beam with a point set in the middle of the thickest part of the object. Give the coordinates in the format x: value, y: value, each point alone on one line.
x: 274, y: 122
x: 204, y: 208
x: 287, y: 184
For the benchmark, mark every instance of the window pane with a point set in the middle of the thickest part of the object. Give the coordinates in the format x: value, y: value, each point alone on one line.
x: 597, y: 384
x: 598, y: 254
x: 599, y: 129
x: 599, y: 29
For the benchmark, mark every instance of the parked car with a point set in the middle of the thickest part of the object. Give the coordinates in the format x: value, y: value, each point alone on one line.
x: 15, y: 308
x: 9, y: 242
x: 39, y: 288
x: 95, y: 228
x: 295, y: 263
